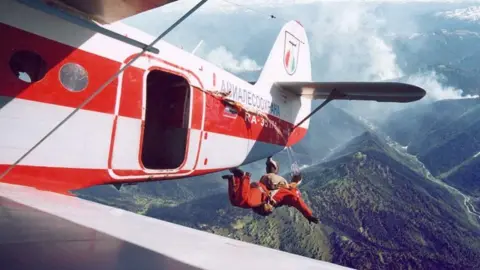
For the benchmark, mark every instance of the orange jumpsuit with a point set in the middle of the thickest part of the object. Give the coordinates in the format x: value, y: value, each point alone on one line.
x: 292, y: 197
x: 244, y: 194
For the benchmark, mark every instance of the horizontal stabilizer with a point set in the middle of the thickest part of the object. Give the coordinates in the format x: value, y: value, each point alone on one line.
x: 377, y: 91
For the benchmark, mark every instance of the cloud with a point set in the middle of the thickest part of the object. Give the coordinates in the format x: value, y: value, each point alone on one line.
x: 464, y: 14
x: 352, y: 45
x: 436, y: 91
x: 244, y: 5
x: 225, y: 59
x: 350, y: 41
x: 349, y: 45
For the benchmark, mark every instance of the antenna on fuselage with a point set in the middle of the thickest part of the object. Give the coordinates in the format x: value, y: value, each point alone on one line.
x: 198, y: 46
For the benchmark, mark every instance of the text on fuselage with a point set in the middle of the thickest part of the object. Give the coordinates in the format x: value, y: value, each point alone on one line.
x: 246, y: 97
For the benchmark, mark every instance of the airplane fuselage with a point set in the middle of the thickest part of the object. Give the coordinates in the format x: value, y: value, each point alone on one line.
x: 164, y: 117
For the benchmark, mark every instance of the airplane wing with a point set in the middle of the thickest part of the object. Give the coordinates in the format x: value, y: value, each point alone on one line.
x: 108, y: 11
x: 45, y: 230
x: 376, y: 91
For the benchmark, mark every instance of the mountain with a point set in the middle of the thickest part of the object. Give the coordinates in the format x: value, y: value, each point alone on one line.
x: 442, y: 135
x: 379, y: 207
x: 330, y: 128
x: 375, y: 212
x: 466, y: 177
x: 138, y: 198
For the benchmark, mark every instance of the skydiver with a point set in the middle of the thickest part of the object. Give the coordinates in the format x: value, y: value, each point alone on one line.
x: 271, y: 179
x: 260, y: 199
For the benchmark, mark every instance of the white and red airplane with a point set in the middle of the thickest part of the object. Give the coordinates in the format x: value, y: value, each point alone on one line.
x: 167, y: 115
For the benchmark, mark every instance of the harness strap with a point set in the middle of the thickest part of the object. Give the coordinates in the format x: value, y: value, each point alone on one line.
x: 269, y: 194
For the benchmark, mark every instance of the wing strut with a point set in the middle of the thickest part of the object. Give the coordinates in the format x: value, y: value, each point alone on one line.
x: 333, y: 95
x: 87, y: 24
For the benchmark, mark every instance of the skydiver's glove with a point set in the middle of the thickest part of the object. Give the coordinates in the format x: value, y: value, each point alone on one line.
x: 313, y: 219
x: 297, y: 178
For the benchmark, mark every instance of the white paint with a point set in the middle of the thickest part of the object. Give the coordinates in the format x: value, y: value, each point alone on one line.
x: 62, y: 31
x: 126, y: 148
x: 193, y: 144
x: 86, y: 134
x: 222, y: 151
x: 200, y: 249
x: 84, y: 141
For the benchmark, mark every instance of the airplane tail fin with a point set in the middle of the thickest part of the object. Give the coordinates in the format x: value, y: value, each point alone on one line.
x: 289, y: 59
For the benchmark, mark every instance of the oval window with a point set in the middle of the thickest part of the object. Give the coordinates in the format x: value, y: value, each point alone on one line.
x: 73, y: 77
x: 28, y: 66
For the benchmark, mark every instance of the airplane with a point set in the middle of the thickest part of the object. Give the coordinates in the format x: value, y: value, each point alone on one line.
x: 86, y: 101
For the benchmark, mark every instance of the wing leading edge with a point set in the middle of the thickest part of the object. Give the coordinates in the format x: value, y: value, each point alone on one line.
x: 375, y: 91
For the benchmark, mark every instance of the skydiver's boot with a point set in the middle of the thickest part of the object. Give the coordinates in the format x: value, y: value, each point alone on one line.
x: 237, y: 172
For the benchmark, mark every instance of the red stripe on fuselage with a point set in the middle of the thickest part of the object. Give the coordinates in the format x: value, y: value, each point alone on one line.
x: 249, y: 125
x: 55, y: 54
x: 63, y: 180
x: 50, y: 90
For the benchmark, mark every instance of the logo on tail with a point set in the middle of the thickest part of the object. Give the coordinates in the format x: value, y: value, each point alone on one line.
x: 290, y: 53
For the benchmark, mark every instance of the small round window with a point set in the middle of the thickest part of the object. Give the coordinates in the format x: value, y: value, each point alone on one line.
x: 73, y: 77
x: 28, y: 66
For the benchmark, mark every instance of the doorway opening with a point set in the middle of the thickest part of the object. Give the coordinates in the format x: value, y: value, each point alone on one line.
x: 165, y: 133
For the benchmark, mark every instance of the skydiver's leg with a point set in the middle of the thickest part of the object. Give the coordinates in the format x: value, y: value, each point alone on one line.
x: 233, y: 189
x: 238, y: 190
x: 251, y: 194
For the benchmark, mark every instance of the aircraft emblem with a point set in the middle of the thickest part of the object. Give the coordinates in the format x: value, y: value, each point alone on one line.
x: 290, y: 55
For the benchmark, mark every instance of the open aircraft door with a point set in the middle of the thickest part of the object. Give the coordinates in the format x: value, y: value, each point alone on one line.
x: 158, y: 123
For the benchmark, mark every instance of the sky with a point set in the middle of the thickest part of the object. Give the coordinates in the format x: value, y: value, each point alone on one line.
x: 348, y: 40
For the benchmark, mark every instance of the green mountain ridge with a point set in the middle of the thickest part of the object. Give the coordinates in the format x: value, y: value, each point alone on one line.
x: 466, y: 177
x: 445, y: 137
x: 375, y: 212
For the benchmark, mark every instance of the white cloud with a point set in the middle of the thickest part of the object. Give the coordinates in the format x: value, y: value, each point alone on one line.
x: 348, y: 40
x: 225, y: 59
x: 349, y: 45
x: 236, y: 5
x: 464, y: 14
x: 436, y: 91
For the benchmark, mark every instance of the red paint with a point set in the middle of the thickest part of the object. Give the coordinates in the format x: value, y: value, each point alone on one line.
x: 55, y: 54
x: 131, y: 93
x: 197, y: 110
x: 59, y: 180
x: 49, y: 90
x: 287, y: 58
x: 251, y: 126
x: 63, y: 180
